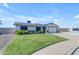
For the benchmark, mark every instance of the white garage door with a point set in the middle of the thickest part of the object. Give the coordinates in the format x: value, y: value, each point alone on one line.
x: 52, y: 30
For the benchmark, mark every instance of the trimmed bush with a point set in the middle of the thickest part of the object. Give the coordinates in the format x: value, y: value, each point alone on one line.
x: 24, y: 32
x: 27, y: 32
x: 21, y: 32
x: 40, y: 32
x: 31, y: 32
x: 18, y: 32
x: 35, y: 32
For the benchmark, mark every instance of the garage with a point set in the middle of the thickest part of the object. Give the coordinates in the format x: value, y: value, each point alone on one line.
x: 52, y: 30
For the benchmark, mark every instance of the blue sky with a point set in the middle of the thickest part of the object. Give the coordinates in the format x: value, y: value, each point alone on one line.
x: 63, y: 14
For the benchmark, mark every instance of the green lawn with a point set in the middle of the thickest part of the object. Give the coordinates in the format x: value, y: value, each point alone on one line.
x: 28, y: 44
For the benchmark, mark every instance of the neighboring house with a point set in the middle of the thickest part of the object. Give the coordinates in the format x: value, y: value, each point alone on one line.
x: 50, y: 27
x: 69, y: 30
x: 75, y: 29
x: 64, y: 30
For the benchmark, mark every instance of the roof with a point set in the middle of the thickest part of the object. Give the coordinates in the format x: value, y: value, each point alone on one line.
x: 50, y: 24
x: 33, y: 24
x: 27, y: 24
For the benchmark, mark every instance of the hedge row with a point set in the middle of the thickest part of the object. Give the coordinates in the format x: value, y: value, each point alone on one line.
x: 22, y: 32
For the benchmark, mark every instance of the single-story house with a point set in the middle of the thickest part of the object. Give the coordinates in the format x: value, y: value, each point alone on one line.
x: 50, y: 27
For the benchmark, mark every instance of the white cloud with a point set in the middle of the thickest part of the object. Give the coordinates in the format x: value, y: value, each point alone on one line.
x: 56, y: 21
x: 77, y: 20
x: 7, y: 22
x: 76, y: 17
x: 43, y: 19
x: 8, y: 19
x: 6, y: 5
x: 50, y: 17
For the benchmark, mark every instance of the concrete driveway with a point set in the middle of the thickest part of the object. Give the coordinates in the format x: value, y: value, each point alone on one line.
x: 4, y: 40
x: 61, y: 48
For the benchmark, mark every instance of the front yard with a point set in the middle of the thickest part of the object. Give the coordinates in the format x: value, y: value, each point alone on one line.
x: 28, y: 44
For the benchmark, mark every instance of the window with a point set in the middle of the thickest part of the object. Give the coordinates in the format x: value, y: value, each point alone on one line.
x: 38, y: 28
x: 23, y: 27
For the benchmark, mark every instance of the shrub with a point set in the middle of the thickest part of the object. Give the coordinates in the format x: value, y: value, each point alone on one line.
x: 27, y: 32
x: 31, y: 32
x: 21, y: 32
x: 18, y: 32
x: 35, y: 32
x: 40, y: 31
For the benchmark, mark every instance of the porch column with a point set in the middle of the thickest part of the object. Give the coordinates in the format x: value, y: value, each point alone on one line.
x: 46, y: 30
x: 41, y: 28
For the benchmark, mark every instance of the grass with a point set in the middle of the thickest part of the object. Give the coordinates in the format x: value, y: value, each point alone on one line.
x: 28, y: 44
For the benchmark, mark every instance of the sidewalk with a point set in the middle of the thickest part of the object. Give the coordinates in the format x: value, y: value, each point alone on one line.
x: 60, y: 48
x: 4, y: 40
